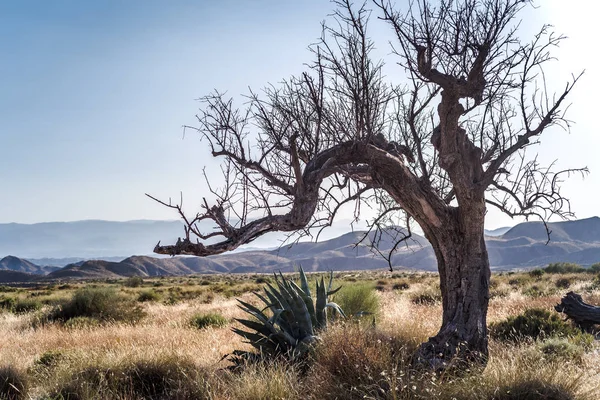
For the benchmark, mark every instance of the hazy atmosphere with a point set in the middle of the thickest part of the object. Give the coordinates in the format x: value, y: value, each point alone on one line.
x: 94, y: 96
x: 167, y: 168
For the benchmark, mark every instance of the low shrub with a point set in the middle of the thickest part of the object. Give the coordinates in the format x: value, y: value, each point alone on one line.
x: 148, y: 295
x: 14, y: 384
x: 202, y: 321
x: 81, y: 323
x: 563, y: 283
x: 535, y: 291
x: 22, y: 306
x: 427, y: 297
x: 563, y: 268
x: 401, y: 286
x: 100, y: 303
x: 536, y: 323
x: 535, y: 389
x: 561, y: 349
x: 358, y: 300
x: 536, y: 273
x: 7, y: 303
x: 161, y: 378
x: 262, y: 280
x: 594, y: 268
x: 49, y: 359
x: 133, y: 281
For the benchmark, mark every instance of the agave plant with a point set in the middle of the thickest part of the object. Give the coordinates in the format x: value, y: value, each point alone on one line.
x: 292, y: 321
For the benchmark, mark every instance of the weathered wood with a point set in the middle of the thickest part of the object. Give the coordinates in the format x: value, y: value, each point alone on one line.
x: 583, y: 314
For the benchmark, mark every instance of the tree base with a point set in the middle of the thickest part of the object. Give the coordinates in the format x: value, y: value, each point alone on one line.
x: 450, y: 354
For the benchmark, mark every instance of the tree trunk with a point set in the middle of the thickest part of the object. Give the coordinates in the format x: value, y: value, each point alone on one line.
x: 464, y: 270
x: 583, y: 314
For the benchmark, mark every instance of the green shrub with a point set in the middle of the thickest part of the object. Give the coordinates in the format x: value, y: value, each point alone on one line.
x: 148, y: 295
x: 594, y: 268
x: 133, y: 281
x: 81, y: 323
x: 358, y: 300
x: 49, y: 359
x: 101, y: 303
x: 401, y: 286
x: 536, y: 323
x: 532, y: 389
x: 564, y: 268
x: 7, y: 303
x: 561, y: 349
x: 534, y: 291
x: 13, y: 383
x: 162, y: 378
x: 201, y: 321
x: 536, y: 273
x: 563, y: 283
x: 26, y: 305
x: 427, y: 297
x: 262, y: 280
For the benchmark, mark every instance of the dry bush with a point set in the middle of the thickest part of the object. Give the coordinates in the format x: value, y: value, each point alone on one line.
x: 356, y: 361
x: 14, y: 383
x: 263, y: 381
x: 167, y: 377
x: 103, y: 304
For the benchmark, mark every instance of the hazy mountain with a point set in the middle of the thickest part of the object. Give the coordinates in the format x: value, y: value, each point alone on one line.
x: 521, y: 247
x: 497, y: 231
x: 9, y: 276
x: 85, y: 239
x: 61, y: 243
x: 20, y: 265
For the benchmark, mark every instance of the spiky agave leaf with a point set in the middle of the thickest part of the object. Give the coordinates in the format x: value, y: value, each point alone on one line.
x: 294, y: 318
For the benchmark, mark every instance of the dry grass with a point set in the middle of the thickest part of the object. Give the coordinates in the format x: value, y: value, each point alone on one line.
x: 351, y: 361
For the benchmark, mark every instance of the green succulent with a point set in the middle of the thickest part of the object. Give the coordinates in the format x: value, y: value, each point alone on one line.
x: 290, y: 320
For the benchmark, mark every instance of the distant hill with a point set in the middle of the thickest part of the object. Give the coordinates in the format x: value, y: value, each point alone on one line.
x: 523, y: 246
x: 8, y: 276
x: 582, y: 230
x: 85, y: 239
x: 20, y: 265
x: 497, y: 231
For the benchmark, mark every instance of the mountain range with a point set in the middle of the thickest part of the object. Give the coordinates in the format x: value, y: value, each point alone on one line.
x: 522, y: 246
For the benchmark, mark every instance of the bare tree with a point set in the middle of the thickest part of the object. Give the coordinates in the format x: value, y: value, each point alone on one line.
x: 439, y: 149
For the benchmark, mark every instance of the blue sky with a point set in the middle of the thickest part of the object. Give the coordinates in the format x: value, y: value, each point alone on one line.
x: 93, y: 96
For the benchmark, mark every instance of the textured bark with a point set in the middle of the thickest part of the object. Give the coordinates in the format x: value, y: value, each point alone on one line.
x: 583, y: 314
x: 464, y: 282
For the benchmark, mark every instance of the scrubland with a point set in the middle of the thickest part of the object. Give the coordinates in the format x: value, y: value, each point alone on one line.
x: 166, y: 338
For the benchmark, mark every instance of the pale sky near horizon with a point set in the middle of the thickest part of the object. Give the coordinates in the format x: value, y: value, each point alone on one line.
x: 93, y: 96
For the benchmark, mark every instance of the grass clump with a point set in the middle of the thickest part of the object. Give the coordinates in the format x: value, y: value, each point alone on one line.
x: 561, y: 349
x: 23, y: 306
x: 358, y: 300
x: 14, y: 384
x: 563, y: 283
x: 427, y: 297
x: 133, y: 281
x: 536, y: 323
x: 536, y: 273
x: 147, y: 296
x: 161, y: 378
x: 401, y: 286
x: 103, y: 304
x: 202, y: 321
x: 7, y: 303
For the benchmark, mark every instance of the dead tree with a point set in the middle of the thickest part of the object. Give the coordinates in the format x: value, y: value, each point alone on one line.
x: 581, y: 313
x: 439, y: 149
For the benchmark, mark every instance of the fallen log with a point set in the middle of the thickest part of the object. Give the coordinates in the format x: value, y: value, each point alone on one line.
x: 581, y: 313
